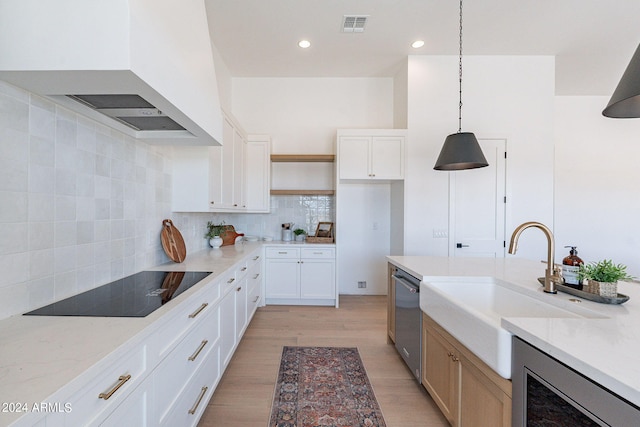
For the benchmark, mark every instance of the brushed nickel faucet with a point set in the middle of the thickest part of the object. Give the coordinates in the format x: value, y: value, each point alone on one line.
x: 551, y: 277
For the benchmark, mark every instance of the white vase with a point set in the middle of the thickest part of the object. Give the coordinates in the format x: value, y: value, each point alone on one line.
x: 216, y: 242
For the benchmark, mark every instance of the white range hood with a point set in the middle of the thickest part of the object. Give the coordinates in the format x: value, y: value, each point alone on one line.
x: 144, y: 67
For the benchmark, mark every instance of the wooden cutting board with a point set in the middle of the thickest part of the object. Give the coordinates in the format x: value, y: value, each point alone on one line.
x: 172, y: 241
x: 229, y: 235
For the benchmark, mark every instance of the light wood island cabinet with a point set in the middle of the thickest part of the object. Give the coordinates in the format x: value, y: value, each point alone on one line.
x: 467, y: 391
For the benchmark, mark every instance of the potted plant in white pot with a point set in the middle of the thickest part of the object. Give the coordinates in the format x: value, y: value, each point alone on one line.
x: 214, y: 232
x: 602, y: 277
x: 300, y: 234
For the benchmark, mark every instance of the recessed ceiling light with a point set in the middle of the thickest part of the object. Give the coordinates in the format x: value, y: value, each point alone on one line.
x: 304, y: 44
x: 417, y: 44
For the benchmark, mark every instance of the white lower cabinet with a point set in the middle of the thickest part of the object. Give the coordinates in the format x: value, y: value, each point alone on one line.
x: 167, y: 377
x: 135, y: 410
x: 300, y: 275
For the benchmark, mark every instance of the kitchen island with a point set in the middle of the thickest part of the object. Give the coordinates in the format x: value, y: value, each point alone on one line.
x: 603, y: 347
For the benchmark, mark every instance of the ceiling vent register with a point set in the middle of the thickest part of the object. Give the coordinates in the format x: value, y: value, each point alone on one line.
x: 354, y: 23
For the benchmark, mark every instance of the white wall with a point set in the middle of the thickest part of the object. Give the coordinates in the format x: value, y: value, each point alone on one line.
x: 597, y: 198
x: 80, y: 204
x: 302, y: 114
x: 507, y: 97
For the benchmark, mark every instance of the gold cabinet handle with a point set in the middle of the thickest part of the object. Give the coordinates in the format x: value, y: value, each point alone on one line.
x: 231, y: 280
x: 257, y: 257
x: 256, y: 276
x: 243, y: 269
x: 195, y: 406
x: 195, y: 313
x: 121, y: 380
x: 239, y: 289
x: 198, y: 350
x: 256, y: 298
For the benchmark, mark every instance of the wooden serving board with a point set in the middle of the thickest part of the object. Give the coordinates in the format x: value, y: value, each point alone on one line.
x: 229, y: 235
x: 172, y: 242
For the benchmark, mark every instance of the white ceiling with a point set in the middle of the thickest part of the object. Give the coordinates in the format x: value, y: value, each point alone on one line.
x: 592, y: 40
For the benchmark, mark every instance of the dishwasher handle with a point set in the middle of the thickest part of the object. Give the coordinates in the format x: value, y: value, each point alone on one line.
x: 410, y: 286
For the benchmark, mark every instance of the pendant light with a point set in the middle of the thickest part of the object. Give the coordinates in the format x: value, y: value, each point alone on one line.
x: 625, y: 101
x: 460, y: 150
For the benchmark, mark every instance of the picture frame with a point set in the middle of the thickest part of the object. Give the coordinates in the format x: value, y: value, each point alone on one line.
x: 324, y: 229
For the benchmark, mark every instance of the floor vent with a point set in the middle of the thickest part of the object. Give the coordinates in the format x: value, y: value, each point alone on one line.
x: 354, y: 23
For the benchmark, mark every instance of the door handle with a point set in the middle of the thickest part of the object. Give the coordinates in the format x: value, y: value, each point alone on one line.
x: 460, y: 245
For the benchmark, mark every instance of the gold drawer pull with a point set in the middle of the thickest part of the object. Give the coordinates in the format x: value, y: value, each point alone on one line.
x: 256, y: 298
x: 121, y: 380
x: 195, y: 407
x: 256, y: 258
x: 283, y: 253
x: 239, y: 289
x: 195, y: 313
x: 198, y: 350
x: 256, y: 276
x: 231, y: 280
x: 243, y: 269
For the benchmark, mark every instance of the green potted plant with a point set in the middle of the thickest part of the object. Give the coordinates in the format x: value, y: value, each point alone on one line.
x: 300, y: 234
x: 214, y: 234
x: 603, y: 276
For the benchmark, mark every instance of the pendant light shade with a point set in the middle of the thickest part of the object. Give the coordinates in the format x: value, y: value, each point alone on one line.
x: 460, y: 151
x: 625, y: 101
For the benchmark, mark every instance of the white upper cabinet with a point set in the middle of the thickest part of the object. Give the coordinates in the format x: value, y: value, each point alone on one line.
x: 257, y: 173
x: 371, y: 154
x: 231, y: 178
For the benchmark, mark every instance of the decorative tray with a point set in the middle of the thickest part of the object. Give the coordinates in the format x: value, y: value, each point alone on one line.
x: 621, y: 298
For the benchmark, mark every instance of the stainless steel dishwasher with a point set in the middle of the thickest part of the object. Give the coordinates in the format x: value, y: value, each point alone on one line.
x: 408, y: 319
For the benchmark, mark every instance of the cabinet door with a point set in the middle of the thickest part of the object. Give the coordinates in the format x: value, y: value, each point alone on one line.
x: 215, y: 178
x: 482, y: 402
x: 227, y: 327
x: 226, y: 167
x: 317, y: 279
x: 136, y: 410
x: 241, y: 293
x: 440, y: 372
x: 282, y: 277
x: 353, y: 157
x: 237, y: 200
x: 257, y: 182
x: 387, y: 158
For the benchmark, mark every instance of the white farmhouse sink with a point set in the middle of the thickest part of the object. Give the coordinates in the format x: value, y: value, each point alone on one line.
x: 470, y: 309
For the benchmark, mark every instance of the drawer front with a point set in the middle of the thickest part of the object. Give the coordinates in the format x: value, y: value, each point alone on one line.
x: 174, y: 329
x: 287, y: 253
x: 194, y: 398
x: 242, y: 270
x: 254, y: 299
x: 108, y: 388
x: 318, y: 253
x: 183, y: 362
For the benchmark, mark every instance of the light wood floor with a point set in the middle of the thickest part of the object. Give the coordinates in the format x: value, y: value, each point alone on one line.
x: 243, y: 397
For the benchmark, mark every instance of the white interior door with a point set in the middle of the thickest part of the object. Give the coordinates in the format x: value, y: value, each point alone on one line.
x: 477, y: 205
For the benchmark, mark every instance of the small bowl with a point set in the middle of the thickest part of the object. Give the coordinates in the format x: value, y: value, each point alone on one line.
x: 267, y: 238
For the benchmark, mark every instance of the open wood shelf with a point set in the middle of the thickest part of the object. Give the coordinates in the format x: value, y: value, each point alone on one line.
x: 302, y: 192
x: 303, y: 157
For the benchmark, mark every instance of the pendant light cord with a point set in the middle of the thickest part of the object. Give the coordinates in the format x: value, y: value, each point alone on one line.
x: 460, y: 75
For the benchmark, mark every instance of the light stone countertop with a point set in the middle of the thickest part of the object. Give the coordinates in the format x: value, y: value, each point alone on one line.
x: 44, y: 358
x: 607, y: 350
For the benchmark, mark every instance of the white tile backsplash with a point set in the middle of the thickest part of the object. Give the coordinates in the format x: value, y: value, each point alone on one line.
x: 80, y: 203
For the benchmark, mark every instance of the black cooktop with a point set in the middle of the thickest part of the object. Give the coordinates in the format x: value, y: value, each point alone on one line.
x: 133, y: 296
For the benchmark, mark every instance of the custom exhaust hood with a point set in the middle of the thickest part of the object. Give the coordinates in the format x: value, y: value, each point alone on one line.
x: 143, y: 67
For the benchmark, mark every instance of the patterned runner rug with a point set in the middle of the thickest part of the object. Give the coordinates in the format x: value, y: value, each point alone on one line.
x: 323, y: 386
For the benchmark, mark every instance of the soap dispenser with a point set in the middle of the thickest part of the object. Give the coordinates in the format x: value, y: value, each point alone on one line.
x: 570, y: 267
